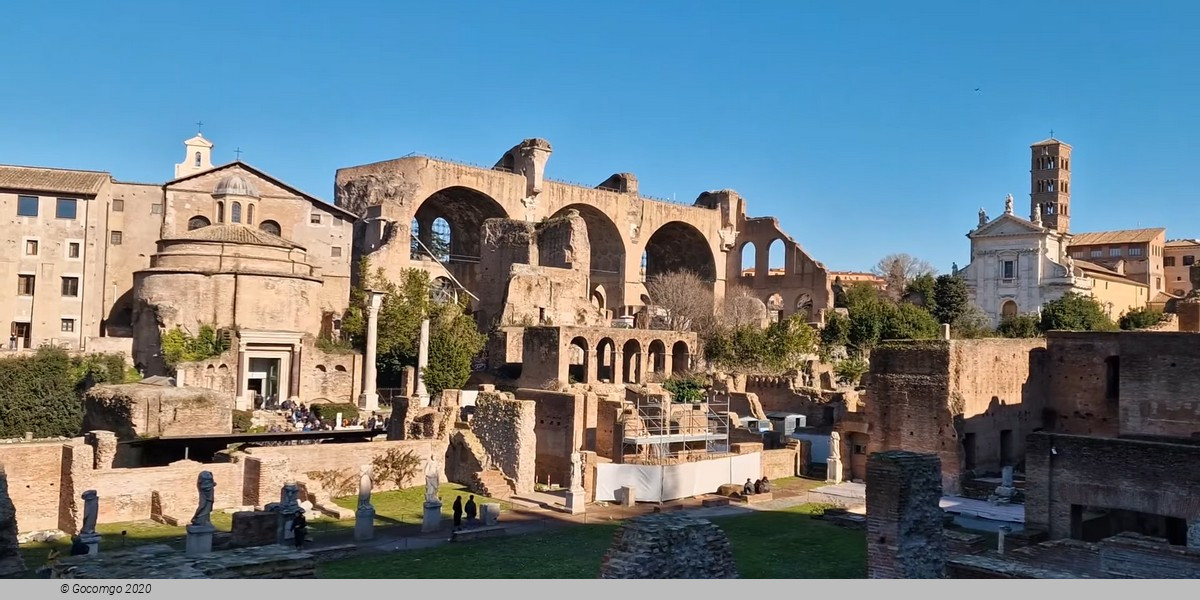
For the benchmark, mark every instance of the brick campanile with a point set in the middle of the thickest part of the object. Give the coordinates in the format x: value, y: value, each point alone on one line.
x: 1050, y: 183
x: 904, y: 521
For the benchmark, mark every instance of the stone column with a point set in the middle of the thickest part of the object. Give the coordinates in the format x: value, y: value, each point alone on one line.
x: 243, y: 400
x: 618, y: 367
x: 369, y: 399
x: 668, y: 364
x: 644, y: 366
x: 104, y: 447
x: 294, y: 375
x: 422, y: 362
x: 591, y: 368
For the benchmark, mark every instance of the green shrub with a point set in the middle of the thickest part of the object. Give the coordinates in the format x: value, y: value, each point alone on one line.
x: 1075, y: 312
x: 851, y: 370
x: 1141, y: 318
x: 687, y: 388
x: 1020, y: 326
x: 42, y: 393
x: 241, y: 421
x: 329, y: 412
x: 179, y: 346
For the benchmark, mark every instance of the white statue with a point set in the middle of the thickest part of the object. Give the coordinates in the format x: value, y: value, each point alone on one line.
x: 364, y: 486
x: 431, y: 481
x: 835, y: 446
x: 982, y: 217
x: 289, y: 497
x: 91, y: 509
x: 1008, y: 205
x: 204, y: 485
x: 1070, y: 266
x: 576, y: 471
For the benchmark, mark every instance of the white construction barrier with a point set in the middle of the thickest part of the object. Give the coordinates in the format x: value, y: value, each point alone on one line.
x: 655, y: 483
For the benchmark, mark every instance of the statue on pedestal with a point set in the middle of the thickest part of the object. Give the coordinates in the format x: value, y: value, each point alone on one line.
x: 576, y: 482
x: 1008, y: 205
x: 431, y: 481
x: 91, y: 509
x: 364, y: 486
x: 982, y: 217
x: 835, y: 446
x: 205, y: 486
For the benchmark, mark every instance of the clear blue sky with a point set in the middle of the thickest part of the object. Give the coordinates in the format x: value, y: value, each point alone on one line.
x: 856, y: 123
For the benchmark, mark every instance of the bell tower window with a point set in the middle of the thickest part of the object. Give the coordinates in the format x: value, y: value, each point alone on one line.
x: 197, y: 163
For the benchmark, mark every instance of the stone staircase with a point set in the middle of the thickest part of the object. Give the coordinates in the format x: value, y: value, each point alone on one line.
x: 484, y: 479
x: 492, y: 482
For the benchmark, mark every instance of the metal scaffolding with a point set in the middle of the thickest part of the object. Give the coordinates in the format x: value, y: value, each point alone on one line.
x: 669, y: 429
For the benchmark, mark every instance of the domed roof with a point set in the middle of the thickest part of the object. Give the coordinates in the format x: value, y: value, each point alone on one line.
x: 235, y: 234
x: 235, y: 185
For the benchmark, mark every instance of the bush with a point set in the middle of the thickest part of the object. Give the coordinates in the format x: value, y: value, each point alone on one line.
x: 396, y: 465
x: 42, y: 393
x: 1075, y: 312
x: 178, y: 346
x: 454, y: 341
x: 836, y: 332
x: 778, y: 348
x: 852, y: 369
x: 1141, y: 318
x: 328, y: 412
x: 241, y: 421
x: 687, y: 388
x: 338, y: 482
x: 1020, y: 326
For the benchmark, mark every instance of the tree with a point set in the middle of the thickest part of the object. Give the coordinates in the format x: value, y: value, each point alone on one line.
x: 921, y: 290
x: 951, y: 298
x: 836, y: 332
x: 862, y: 293
x: 974, y: 323
x: 741, y: 307
x: 686, y: 299
x: 1075, y: 312
x: 42, y: 392
x: 1020, y: 326
x: 1141, y: 318
x: 898, y: 270
x: 908, y: 322
x: 454, y: 341
x: 780, y: 347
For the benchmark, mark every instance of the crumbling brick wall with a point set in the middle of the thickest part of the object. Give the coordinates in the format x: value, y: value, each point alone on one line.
x: 134, y: 409
x: 558, y: 430
x: 904, y: 521
x: 1077, y: 399
x: 34, y: 481
x: 608, y: 412
x: 669, y: 546
x: 506, y: 428
x: 1159, y: 374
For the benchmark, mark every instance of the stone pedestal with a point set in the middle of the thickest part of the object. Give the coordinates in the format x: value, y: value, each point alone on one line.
x: 364, y: 524
x: 490, y: 513
x: 834, y: 474
x: 92, y: 541
x: 576, y: 499
x: 199, y: 539
x: 432, y: 520
x: 627, y: 496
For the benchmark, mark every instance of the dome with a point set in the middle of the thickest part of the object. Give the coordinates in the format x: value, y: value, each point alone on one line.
x: 235, y: 185
x: 234, y: 234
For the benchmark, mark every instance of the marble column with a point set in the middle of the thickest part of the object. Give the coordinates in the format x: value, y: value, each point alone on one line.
x: 294, y: 375
x: 244, y: 399
x: 369, y: 399
x: 422, y: 362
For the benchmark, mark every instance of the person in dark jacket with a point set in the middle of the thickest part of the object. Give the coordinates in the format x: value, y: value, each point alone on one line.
x: 458, y: 512
x: 299, y: 530
x: 471, y: 510
x: 748, y: 489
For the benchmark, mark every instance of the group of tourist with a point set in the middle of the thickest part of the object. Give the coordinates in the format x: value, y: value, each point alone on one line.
x: 762, y: 486
x: 470, y: 509
x: 303, y: 418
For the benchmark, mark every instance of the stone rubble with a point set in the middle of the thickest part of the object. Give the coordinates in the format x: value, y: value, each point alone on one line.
x: 669, y: 546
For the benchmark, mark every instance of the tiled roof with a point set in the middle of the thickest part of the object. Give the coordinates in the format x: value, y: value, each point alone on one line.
x: 235, y: 234
x: 1049, y: 142
x: 1126, y: 236
x: 1091, y: 266
x: 1182, y: 243
x: 59, y: 181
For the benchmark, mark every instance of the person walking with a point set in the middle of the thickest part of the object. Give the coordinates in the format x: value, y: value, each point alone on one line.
x: 458, y: 512
x: 470, y: 511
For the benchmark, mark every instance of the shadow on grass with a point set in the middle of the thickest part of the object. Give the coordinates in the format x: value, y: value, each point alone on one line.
x: 786, y: 544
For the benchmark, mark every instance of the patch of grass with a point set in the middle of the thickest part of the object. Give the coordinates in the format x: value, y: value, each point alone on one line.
x: 137, y: 533
x: 785, y: 544
x: 407, y: 506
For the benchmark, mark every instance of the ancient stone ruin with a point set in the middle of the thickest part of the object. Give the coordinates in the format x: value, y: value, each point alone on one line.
x: 663, y: 546
x: 904, y: 520
x: 10, y: 559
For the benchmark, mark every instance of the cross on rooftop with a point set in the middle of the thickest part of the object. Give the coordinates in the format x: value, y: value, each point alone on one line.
x: 199, y: 126
x: 238, y: 152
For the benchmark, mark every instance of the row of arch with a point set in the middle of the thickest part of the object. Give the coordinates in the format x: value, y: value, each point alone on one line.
x: 336, y: 368
x: 776, y: 256
x: 626, y: 363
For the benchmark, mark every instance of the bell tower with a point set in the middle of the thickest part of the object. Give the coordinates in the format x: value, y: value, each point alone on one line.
x: 197, y: 158
x: 1050, y: 183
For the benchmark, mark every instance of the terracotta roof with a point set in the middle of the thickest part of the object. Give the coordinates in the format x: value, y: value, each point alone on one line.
x: 1049, y: 142
x: 263, y: 174
x: 235, y: 234
x: 61, y: 181
x: 1091, y: 266
x: 1182, y: 243
x: 1125, y: 236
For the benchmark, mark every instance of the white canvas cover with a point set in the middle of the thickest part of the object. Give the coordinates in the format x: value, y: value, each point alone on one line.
x: 654, y: 483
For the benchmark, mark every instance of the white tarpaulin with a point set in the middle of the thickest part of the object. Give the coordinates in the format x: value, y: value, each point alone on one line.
x: 654, y: 483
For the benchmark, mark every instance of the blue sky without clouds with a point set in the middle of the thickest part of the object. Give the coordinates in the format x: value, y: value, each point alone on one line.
x: 856, y: 123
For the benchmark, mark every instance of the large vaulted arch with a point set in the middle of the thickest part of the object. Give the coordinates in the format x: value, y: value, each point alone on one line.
x: 607, y: 251
x: 678, y: 246
x: 449, y: 225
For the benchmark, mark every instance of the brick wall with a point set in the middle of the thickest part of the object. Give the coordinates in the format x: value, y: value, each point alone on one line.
x: 1076, y: 399
x: 339, y: 457
x: 505, y: 427
x: 127, y: 494
x: 1151, y: 477
x: 34, y: 481
x: 608, y: 412
x: 558, y: 431
x: 134, y: 409
x: 335, y: 377
x: 779, y: 463
x: 904, y: 522
x: 1159, y: 375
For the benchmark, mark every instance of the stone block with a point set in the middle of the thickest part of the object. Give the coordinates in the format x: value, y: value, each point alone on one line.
x: 364, y: 524
x: 575, y: 502
x: 467, y: 535
x: 627, y: 496
x: 730, y: 490
x: 707, y: 502
x: 758, y: 498
x: 199, y: 539
x: 489, y: 513
x: 254, y: 528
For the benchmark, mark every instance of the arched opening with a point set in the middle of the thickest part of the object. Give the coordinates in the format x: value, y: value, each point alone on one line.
x: 607, y: 260
x: 197, y: 222
x: 340, y: 369
x: 577, y: 356
x: 320, y: 368
x: 415, y: 246
x: 271, y: 227
x: 458, y: 214
x: 657, y: 357
x: 220, y: 212
x: 749, y: 254
x: 1008, y: 309
x: 680, y: 357
x: 774, y: 307
x: 804, y: 306
x: 250, y: 214
x: 235, y: 213
x: 606, y: 355
x: 598, y: 298
x: 776, y: 259
x: 678, y: 246
x: 632, y: 355
x: 197, y: 160
x: 443, y: 290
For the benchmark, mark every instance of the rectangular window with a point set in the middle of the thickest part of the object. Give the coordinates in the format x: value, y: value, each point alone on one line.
x: 114, y: 238
x: 1079, y: 255
x: 73, y: 250
x: 1169, y: 261
x: 335, y: 251
x: 118, y: 205
x: 1097, y: 253
x: 65, y: 208
x: 25, y: 284
x: 314, y: 218
x: 70, y: 287
x: 156, y: 209
x: 1135, y: 251
x: 27, y: 206
x: 67, y: 325
x: 1114, y: 251
x: 31, y: 247
x: 1010, y: 269
x: 1188, y: 259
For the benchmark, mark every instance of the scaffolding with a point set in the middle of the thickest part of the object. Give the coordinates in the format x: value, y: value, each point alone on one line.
x: 668, y: 430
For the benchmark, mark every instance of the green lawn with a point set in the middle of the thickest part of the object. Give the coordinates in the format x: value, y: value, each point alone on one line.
x: 785, y: 544
x: 406, y: 507
x: 136, y: 533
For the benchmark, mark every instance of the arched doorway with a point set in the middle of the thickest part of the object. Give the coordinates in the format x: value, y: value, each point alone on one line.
x: 606, y: 360
x: 657, y: 357
x: 680, y: 357
x: 775, y: 307
x: 632, y: 354
x: 1008, y: 309
x: 577, y: 358
x: 678, y: 246
x: 607, y: 261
